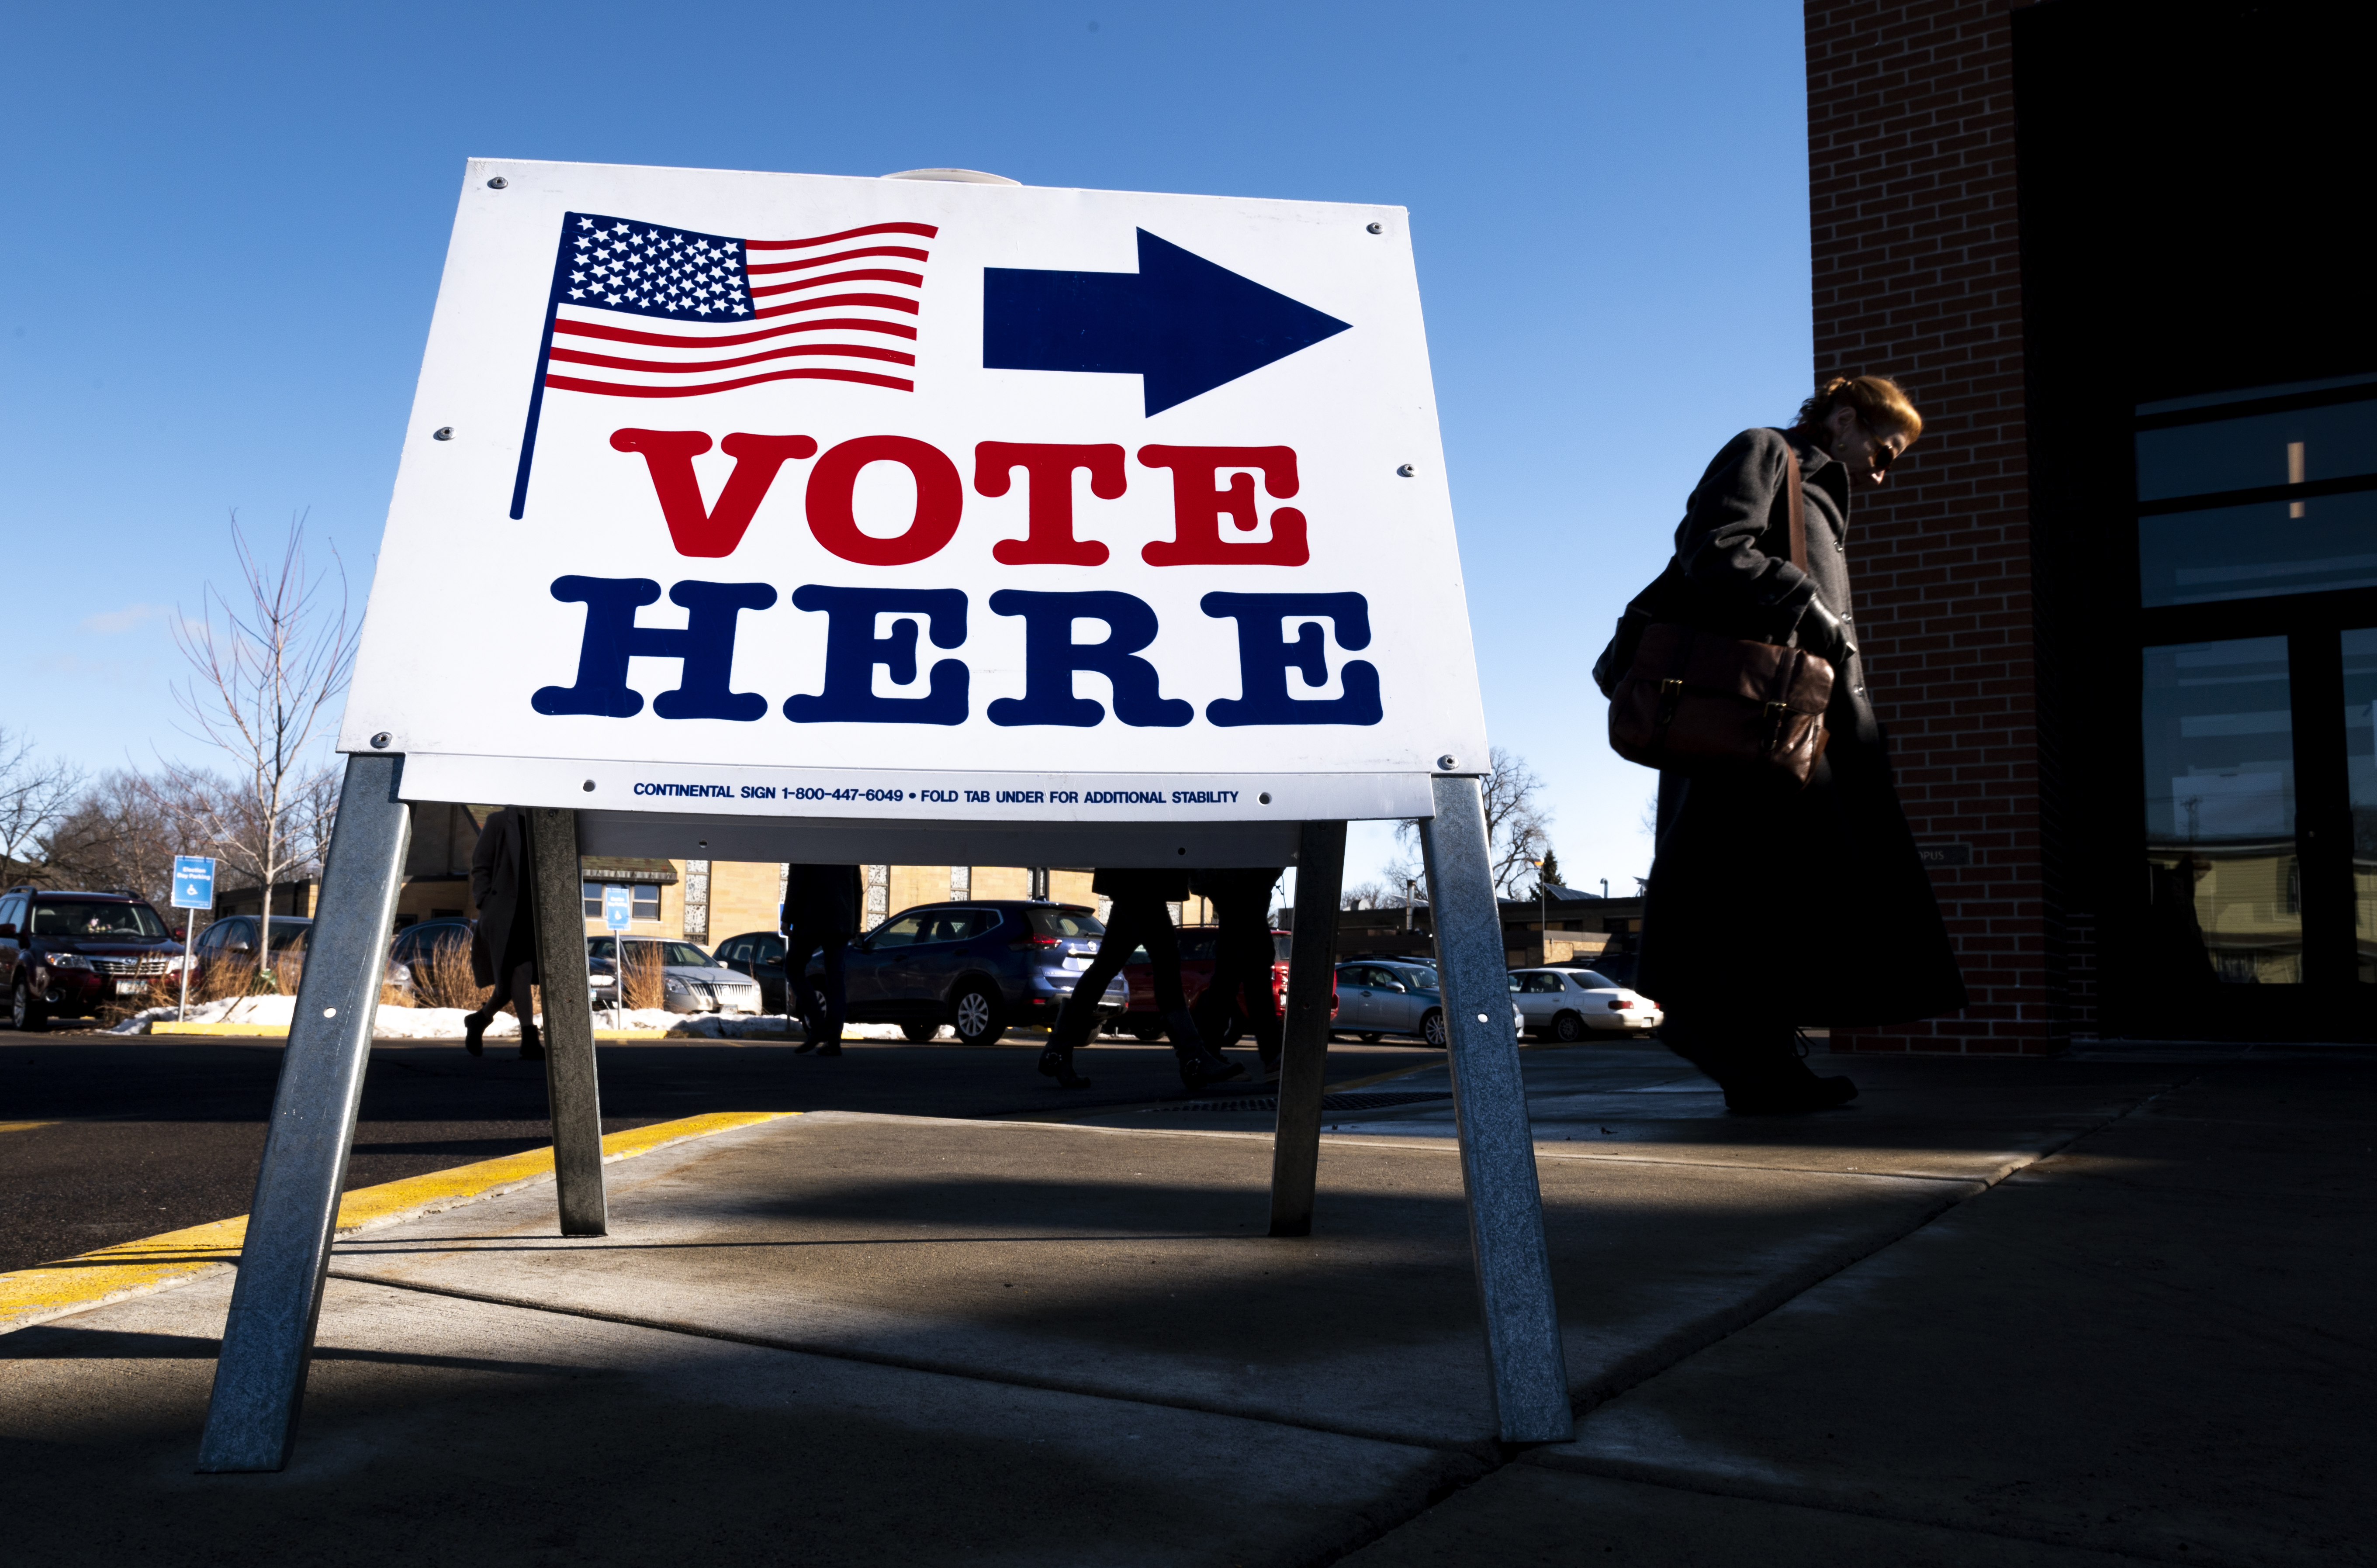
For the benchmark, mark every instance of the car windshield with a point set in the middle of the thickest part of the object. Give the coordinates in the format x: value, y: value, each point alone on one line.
x: 684, y: 955
x: 1066, y: 920
x: 90, y: 917
x: 288, y: 932
x: 1280, y: 943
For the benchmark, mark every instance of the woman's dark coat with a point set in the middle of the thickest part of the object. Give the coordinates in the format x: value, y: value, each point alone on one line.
x: 503, y: 939
x: 822, y: 900
x: 1813, y: 902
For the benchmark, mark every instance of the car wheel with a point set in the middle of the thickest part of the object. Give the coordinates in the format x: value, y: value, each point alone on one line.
x: 1431, y: 1029
x: 1368, y: 1036
x: 1147, y: 1031
x: 1567, y: 1028
x: 25, y: 1011
x: 919, y: 1033
x: 979, y: 1016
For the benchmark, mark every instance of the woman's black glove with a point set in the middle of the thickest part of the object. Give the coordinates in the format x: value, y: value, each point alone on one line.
x: 1825, y: 635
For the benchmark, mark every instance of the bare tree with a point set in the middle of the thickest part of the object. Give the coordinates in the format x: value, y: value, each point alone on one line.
x: 35, y: 792
x: 1518, y: 826
x: 268, y: 666
x: 1363, y: 896
x: 119, y: 833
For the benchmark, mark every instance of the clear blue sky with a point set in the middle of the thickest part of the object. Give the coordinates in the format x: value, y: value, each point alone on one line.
x: 224, y: 226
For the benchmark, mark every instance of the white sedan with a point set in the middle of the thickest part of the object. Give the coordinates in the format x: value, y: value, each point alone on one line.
x: 1568, y: 1005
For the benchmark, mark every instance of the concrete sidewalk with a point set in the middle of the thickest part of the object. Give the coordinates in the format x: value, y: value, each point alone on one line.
x: 1996, y: 1313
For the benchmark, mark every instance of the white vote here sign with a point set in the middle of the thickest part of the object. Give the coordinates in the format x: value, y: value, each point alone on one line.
x: 789, y: 495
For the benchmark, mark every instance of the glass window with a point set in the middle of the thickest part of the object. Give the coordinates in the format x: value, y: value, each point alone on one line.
x: 1066, y: 920
x: 78, y: 917
x: 602, y: 948
x: 768, y: 950
x: 2302, y: 446
x: 1281, y: 945
x: 592, y: 892
x: 901, y: 933
x: 684, y: 953
x: 2271, y: 547
x: 2360, y: 767
x: 1591, y: 981
x: 646, y: 904
x: 2227, y: 892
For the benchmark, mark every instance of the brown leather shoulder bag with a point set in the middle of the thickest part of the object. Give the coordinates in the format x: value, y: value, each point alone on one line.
x: 1707, y: 705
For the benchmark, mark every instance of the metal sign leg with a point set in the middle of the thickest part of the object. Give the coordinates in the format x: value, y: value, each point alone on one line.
x: 1304, y: 1061
x: 1489, y: 1101
x: 269, y: 1340
x: 568, y: 1021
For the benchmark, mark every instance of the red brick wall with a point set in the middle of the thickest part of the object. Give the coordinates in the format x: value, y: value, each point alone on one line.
x: 1912, y: 202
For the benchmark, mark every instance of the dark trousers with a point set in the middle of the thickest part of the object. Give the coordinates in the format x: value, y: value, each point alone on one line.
x: 1242, y: 976
x: 512, y: 985
x: 1731, y: 1041
x: 821, y: 1009
x: 1131, y: 924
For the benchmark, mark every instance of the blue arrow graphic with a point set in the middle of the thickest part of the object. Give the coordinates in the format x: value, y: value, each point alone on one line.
x: 1182, y: 324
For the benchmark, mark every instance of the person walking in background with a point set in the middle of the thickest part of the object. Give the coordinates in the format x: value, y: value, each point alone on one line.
x: 822, y: 905
x: 503, y: 943
x: 1242, y: 959
x: 1137, y: 919
x: 1769, y: 908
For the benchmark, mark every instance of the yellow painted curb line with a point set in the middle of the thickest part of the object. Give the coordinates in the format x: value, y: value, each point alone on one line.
x: 23, y: 1126
x: 280, y: 1031
x: 53, y: 1289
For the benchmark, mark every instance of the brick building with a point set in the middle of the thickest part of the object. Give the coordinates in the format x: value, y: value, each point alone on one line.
x: 2120, y: 602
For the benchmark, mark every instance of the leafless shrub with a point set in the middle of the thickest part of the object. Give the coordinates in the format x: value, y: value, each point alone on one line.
x: 639, y: 975
x: 442, y: 978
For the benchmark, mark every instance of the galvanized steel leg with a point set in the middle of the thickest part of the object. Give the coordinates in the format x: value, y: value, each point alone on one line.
x: 269, y: 1340
x: 1489, y: 1102
x: 560, y: 914
x: 1304, y: 1059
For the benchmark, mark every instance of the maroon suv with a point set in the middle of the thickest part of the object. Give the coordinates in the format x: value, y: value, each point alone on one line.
x: 63, y: 953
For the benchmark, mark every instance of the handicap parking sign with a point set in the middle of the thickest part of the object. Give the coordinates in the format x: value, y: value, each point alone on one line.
x: 193, y: 881
x: 615, y: 907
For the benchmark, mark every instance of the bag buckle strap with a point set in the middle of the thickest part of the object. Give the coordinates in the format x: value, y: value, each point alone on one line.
x: 1778, y: 714
x: 1671, y: 694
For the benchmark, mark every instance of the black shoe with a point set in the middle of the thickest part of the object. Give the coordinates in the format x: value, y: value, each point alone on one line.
x: 830, y: 1048
x: 474, y: 1032
x: 1203, y: 1072
x: 531, y: 1051
x: 807, y: 1044
x: 1059, y: 1065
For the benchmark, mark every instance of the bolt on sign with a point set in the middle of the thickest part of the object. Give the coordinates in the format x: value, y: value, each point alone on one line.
x: 779, y: 495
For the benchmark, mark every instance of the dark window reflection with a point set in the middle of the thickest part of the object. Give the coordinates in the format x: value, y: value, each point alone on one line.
x: 2220, y: 814
x: 2276, y: 547
x: 2300, y: 447
x: 2360, y: 768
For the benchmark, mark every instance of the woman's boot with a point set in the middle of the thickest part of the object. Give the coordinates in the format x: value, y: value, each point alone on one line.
x: 474, y: 1032
x: 1201, y: 1065
x: 1073, y: 1028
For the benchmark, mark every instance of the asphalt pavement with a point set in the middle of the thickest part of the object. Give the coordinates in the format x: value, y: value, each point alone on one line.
x: 105, y: 1139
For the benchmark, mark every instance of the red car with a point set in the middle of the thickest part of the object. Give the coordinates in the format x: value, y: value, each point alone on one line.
x: 1196, y: 973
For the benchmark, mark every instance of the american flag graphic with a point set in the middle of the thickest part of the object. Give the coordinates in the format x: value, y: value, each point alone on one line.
x: 641, y: 310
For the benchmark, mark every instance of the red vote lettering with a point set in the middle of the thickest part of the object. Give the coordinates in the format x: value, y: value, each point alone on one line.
x: 694, y: 528
x: 1198, y: 508
x: 940, y: 498
x: 1049, y: 481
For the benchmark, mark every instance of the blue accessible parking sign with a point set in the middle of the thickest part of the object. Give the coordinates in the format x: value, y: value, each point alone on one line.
x: 617, y: 911
x: 193, y: 881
